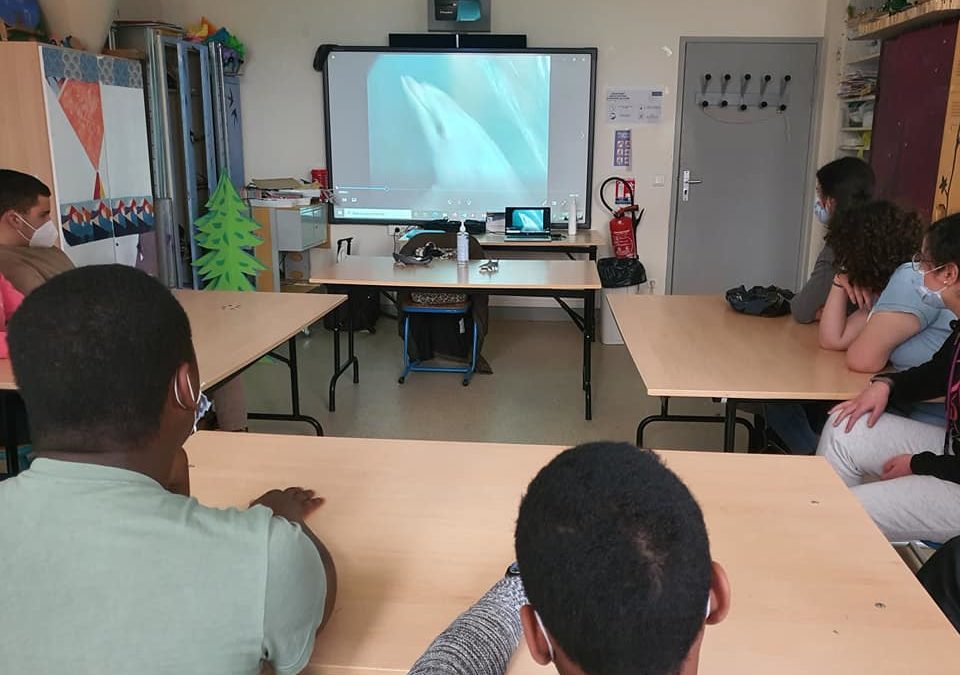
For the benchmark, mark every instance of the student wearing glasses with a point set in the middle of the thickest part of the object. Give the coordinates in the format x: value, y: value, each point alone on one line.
x: 906, y: 472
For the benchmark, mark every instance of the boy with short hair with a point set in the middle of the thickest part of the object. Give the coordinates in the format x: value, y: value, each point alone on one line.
x: 615, y: 560
x: 28, y: 236
x: 116, y: 574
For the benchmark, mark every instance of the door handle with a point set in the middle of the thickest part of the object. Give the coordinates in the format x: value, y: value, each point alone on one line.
x: 686, y: 183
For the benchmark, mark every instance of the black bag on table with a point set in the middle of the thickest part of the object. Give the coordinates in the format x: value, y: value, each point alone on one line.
x: 760, y: 300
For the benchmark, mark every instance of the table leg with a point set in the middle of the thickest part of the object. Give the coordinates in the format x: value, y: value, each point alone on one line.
x: 729, y: 425
x: 295, y: 415
x: 593, y: 253
x: 589, y: 322
x: 666, y: 416
x: 338, y: 368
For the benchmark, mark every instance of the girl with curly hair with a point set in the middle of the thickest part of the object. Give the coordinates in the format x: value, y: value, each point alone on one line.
x: 873, y: 245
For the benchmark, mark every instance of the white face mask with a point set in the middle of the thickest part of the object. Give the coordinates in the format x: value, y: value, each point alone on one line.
x: 44, y: 236
x: 201, y: 403
x: 546, y: 637
x: 544, y: 631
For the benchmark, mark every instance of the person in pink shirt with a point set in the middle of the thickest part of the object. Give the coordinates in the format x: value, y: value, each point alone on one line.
x: 10, y: 299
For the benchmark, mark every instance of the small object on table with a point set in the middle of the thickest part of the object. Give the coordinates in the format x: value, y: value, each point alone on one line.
x: 490, y: 267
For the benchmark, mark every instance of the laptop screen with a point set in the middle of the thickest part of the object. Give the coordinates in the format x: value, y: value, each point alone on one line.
x: 527, y: 220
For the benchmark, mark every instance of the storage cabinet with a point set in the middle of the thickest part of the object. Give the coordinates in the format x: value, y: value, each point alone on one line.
x: 287, y: 230
x: 77, y: 121
x: 300, y: 229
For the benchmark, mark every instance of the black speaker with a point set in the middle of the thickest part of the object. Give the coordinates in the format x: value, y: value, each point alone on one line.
x: 457, y: 40
x: 423, y: 40
x: 489, y: 41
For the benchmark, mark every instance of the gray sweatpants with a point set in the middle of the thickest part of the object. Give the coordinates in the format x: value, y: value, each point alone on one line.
x: 905, y: 509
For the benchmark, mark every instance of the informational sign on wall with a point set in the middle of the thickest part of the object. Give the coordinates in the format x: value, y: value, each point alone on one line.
x: 623, y: 192
x: 622, y: 149
x: 634, y: 105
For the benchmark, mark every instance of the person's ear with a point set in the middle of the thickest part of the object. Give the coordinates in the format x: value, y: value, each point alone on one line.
x: 951, y: 273
x: 719, y: 595
x: 182, y: 388
x: 8, y: 218
x: 536, y: 640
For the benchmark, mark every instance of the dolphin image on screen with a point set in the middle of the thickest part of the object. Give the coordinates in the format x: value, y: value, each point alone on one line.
x: 462, y: 151
x: 530, y: 221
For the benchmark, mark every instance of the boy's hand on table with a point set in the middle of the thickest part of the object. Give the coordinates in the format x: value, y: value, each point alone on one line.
x: 294, y: 503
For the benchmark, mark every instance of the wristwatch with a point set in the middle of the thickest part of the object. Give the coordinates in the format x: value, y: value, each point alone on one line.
x: 513, y: 570
x: 882, y: 378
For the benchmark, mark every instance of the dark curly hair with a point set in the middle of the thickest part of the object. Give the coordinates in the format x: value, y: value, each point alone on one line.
x: 871, y: 240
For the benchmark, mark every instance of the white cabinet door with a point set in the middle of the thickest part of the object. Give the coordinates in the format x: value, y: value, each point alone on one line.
x: 101, y: 165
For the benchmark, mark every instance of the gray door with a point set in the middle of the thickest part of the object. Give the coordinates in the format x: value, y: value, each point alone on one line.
x: 745, y: 129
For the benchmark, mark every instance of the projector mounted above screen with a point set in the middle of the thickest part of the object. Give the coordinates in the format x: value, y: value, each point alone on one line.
x: 420, y: 135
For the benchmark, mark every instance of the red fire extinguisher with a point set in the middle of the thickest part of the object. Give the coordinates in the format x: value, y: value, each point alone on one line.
x: 625, y: 220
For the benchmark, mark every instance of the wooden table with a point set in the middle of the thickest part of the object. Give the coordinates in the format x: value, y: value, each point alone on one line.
x: 420, y: 530
x: 585, y: 241
x: 544, y: 278
x: 231, y: 331
x: 696, y: 346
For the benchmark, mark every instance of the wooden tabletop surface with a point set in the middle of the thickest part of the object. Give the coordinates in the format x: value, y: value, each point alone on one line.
x: 232, y: 329
x: 697, y: 346
x: 534, y: 275
x: 584, y: 239
x: 420, y: 530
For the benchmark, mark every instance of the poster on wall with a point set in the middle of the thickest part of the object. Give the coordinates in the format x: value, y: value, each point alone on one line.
x: 635, y: 105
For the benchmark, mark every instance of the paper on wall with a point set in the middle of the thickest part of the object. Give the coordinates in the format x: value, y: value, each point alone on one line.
x: 634, y: 105
x: 622, y: 149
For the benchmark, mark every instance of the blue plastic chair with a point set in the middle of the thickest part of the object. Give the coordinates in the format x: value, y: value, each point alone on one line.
x: 417, y: 366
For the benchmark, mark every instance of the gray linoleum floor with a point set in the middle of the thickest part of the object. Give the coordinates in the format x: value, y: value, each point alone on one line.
x: 534, y: 395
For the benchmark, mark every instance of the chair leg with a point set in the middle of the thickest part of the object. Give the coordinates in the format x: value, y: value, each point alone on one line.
x: 473, y: 356
x: 406, y: 348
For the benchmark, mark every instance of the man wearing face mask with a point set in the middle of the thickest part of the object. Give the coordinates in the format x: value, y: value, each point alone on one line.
x: 29, y: 256
x: 906, y: 473
x: 29, y: 252
x: 125, y: 576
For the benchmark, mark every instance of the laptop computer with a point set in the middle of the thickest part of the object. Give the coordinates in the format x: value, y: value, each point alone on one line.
x: 527, y: 224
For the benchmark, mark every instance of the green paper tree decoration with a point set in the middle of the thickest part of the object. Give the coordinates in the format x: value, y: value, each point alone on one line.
x: 226, y: 232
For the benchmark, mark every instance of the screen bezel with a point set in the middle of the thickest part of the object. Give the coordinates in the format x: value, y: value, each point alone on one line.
x: 508, y: 218
x: 592, y: 52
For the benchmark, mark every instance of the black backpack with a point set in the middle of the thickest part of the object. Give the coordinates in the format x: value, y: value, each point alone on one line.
x: 364, y: 303
x: 760, y: 301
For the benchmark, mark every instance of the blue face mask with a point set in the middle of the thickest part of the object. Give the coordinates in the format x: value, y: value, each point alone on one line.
x: 820, y: 211
x: 930, y: 298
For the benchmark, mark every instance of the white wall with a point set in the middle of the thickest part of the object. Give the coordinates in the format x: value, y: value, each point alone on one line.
x: 638, y: 42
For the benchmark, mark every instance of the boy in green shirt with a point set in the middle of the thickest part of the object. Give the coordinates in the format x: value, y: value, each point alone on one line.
x: 116, y: 573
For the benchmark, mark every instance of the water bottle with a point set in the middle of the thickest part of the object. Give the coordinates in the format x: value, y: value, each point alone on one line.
x: 463, y: 245
x: 572, y: 219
